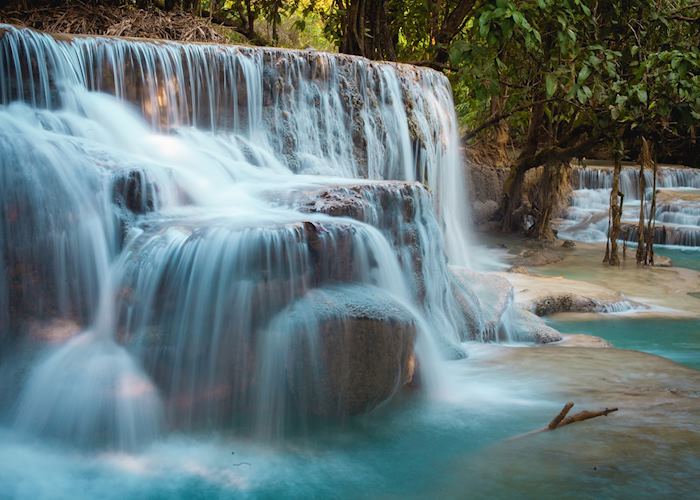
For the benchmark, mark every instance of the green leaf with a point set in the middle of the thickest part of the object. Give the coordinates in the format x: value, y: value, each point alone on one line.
x: 584, y: 73
x: 611, y: 68
x: 551, y: 84
x: 642, y: 95
x: 593, y: 59
x: 581, y: 96
x: 519, y: 19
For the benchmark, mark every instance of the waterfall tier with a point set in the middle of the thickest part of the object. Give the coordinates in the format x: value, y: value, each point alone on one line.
x: 244, y: 234
x: 677, y: 211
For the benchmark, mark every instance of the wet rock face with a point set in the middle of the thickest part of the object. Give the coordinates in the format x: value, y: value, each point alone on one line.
x: 492, y: 296
x: 395, y: 208
x: 368, y: 360
x: 39, y: 280
x: 380, y: 203
x: 486, y: 190
x: 358, y: 110
x: 366, y: 352
x: 134, y: 192
x: 201, y: 329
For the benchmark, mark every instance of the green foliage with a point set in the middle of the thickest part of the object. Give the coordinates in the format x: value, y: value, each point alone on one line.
x: 619, y: 68
x: 626, y: 68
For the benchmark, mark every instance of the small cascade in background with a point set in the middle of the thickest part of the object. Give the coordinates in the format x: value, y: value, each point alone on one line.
x: 677, y: 210
x: 248, y: 238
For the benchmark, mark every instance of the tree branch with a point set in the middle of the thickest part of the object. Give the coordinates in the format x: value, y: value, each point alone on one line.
x: 502, y: 116
x: 576, y: 143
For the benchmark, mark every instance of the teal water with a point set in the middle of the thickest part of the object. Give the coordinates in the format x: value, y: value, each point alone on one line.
x: 454, y: 444
x: 675, y: 339
x: 681, y: 257
x: 393, y: 453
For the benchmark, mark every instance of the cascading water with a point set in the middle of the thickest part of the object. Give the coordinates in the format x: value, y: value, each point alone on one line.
x: 204, y: 210
x: 677, y: 210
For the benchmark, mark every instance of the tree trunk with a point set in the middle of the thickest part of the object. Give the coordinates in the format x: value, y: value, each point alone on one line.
x: 367, y: 30
x: 513, y: 188
x: 452, y: 23
x: 434, y: 20
x: 512, y: 199
x: 611, y: 255
x: 641, y: 238
x: 500, y: 134
x: 651, y: 227
x: 250, y: 16
x: 546, y: 200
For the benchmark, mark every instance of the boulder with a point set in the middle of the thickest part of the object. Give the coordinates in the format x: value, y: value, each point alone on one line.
x: 530, y: 327
x: 489, y: 302
x: 210, y: 365
x: 484, y: 302
x: 365, y: 341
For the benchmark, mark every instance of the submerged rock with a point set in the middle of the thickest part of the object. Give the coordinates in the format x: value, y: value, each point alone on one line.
x: 583, y: 340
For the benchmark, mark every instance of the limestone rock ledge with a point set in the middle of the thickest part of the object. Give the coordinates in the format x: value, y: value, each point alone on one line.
x: 504, y: 318
x: 545, y: 295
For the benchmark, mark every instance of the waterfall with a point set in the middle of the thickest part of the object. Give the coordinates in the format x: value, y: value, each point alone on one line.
x: 219, y: 220
x: 314, y: 113
x: 678, y: 205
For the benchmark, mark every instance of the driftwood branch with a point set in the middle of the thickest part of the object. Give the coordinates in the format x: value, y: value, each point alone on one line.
x: 561, y: 419
x: 557, y: 420
x: 585, y: 415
